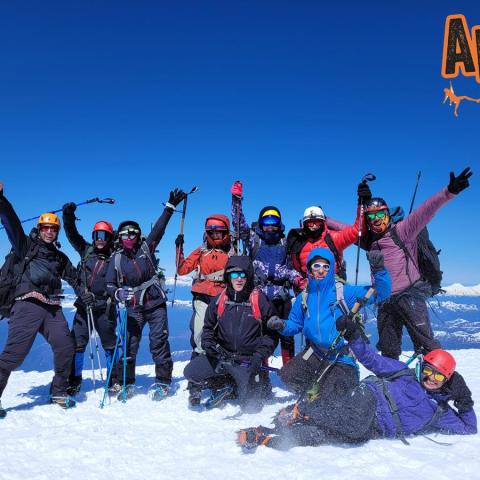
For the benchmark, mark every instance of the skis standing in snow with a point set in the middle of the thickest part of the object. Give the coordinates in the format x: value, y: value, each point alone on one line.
x: 94, y: 301
x: 132, y: 278
x: 267, y: 249
x: 236, y: 339
x: 38, y: 293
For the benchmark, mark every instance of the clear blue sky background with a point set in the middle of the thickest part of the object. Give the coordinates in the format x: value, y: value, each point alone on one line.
x: 297, y: 99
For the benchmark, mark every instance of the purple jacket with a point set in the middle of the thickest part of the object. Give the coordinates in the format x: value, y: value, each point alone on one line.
x: 416, y: 406
x: 407, y: 229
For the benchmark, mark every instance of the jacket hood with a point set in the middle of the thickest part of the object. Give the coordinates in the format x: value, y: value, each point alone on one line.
x: 243, y: 263
x: 329, y: 281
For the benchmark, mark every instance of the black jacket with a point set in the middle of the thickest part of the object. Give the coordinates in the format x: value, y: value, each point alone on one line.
x: 93, y: 266
x: 45, y: 271
x: 237, y: 331
x: 136, y: 268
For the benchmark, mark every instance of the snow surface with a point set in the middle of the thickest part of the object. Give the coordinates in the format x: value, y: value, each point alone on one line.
x: 147, y: 440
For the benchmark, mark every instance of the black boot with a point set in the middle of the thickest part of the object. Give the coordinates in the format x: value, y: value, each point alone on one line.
x: 74, y: 384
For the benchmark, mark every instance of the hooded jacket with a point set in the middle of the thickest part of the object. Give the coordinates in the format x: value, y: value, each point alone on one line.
x: 415, y: 405
x: 237, y: 331
x: 273, y: 271
x: 318, y: 320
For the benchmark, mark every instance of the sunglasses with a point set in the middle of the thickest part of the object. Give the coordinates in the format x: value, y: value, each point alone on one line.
x: 101, y: 235
x: 320, y: 266
x: 429, y: 371
x: 379, y: 214
x: 129, y: 234
x: 235, y: 275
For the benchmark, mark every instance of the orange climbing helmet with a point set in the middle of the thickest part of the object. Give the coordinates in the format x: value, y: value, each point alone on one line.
x: 49, y: 218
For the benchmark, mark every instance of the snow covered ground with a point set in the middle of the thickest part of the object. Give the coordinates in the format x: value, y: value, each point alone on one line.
x: 147, y: 440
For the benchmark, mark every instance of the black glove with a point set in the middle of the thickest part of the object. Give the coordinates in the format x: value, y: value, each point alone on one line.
x: 69, y: 208
x: 275, y: 323
x: 88, y: 298
x: 375, y: 258
x: 458, y: 391
x: 179, y: 240
x: 457, y: 184
x: 364, y: 193
x: 349, y: 327
x: 176, y: 196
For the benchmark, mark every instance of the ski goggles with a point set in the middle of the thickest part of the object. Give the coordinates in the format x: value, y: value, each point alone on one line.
x: 129, y: 234
x: 270, y: 220
x: 379, y: 214
x: 320, y: 266
x: 437, y: 376
x: 235, y: 275
x: 101, y: 235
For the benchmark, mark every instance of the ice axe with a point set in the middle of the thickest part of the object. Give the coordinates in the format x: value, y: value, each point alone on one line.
x: 419, y: 174
x: 109, y: 200
x: 182, y: 225
x: 368, y: 177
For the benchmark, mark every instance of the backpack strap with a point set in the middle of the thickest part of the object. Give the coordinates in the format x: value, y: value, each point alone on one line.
x: 304, y: 301
x: 220, y: 303
x: 255, y: 301
x: 118, y: 267
x: 339, y: 282
x: 399, y: 243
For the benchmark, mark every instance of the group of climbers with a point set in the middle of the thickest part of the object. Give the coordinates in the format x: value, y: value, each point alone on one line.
x: 242, y: 308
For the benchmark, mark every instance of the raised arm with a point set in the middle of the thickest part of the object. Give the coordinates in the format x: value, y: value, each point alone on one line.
x: 73, y: 236
x: 13, y: 226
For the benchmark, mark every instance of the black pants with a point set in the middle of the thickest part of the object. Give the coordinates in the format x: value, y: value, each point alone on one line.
x: 287, y: 344
x: 105, y: 322
x: 299, y: 375
x: 207, y: 372
x: 159, y: 345
x: 351, y: 419
x: 409, y: 311
x: 28, y: 318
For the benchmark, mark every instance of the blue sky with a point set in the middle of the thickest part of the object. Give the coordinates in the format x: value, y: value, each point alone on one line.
x: 297, y: 99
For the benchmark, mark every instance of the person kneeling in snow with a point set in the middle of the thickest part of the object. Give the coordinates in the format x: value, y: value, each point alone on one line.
x: 236, y: 340
x: 393, y: 403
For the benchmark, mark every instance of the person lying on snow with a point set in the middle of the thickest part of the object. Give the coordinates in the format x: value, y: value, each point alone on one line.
x: 236, y: 341
x: 395, y: 402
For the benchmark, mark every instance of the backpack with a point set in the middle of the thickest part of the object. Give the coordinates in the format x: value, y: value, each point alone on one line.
x: 428, y: 261
x: 10, y: 275
x: 253, y: 301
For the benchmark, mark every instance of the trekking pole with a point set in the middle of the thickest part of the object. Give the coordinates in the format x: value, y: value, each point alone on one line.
x: 95, y: 341
x: 111, y: 201
x: 91, y: 349
x: 124, y: 383
x: 182, y: 225
x: 419, y: 174
x: 122, y: 320
x: 369, y: 177
x: 356, y: 307
x: 263, y: 368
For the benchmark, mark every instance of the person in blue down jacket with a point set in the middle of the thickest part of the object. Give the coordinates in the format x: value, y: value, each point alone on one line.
x: 394, y: 403
x: 315, y: 312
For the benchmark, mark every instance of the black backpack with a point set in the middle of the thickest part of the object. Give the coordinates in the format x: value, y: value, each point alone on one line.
x: 428, y: 261
x: 10, y: 275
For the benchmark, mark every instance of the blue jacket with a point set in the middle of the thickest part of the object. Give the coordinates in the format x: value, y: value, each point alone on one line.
x: 318, y: 321
x: 416, y: 406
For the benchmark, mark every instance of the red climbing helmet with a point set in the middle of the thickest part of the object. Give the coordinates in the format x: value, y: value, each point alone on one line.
x: 104, y: 226
x: 442, y: 361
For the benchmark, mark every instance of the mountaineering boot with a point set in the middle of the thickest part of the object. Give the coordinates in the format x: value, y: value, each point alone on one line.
x: 219, y: 396
x: 194, y: 397
x: 3, y: 412
x: 114, y: 389
x: 128, y: 393
x: 74, y: 384
x: 160, y: 391
x: 63, y: 401
x: 251, y: 438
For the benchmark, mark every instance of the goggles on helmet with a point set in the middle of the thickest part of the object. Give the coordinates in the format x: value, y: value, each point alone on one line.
x: 429, y: 371
x: 101, y: 235
x: 129, y: 234
x: 378, y: 214
x: 235, y: 275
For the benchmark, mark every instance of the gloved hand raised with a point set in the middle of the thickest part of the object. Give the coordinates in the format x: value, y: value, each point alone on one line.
x: 88, y: 298
x: 69, y: 208
x: 459, y: 393
x: 348, y: 328
x: 375, y: 259
x: 124, y: 294
x: 457, y: 184
x: 176, y: 196
x: 237, y: 189
x: 179, y: 241
x: 276, y: 323
x: 364, y: 193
